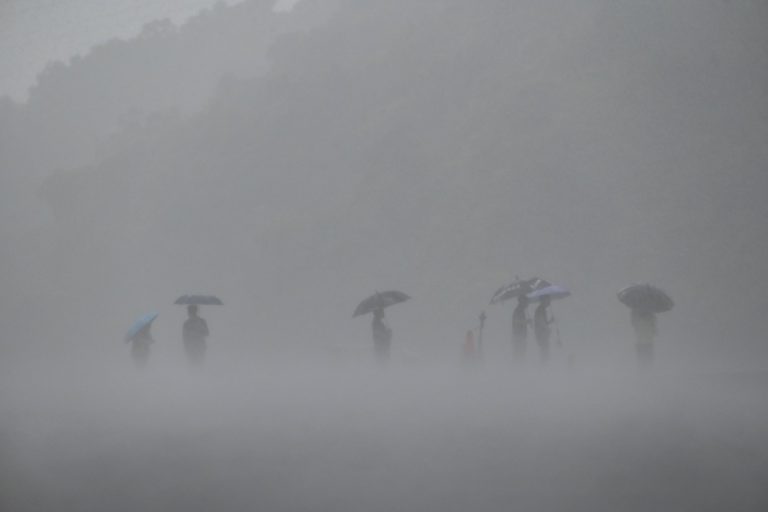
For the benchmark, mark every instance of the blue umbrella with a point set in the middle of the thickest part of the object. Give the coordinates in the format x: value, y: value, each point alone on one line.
x: 140, y: 324
x: 552, y: 291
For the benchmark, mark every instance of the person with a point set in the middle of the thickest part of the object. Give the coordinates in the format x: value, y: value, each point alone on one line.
x: 140, y: 344
x: 541, y: 328
x: 520, y: 328
x: 382, y: 335
x: 644, y: 323
x: 194, y: 333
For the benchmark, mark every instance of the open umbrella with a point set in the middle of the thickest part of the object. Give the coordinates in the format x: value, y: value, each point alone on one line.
x: 518, y: 288
x: 138, y: 325
x: 380, y: 300
x: 552, y: 291
x: 200, y: 300
x: 645, y: 297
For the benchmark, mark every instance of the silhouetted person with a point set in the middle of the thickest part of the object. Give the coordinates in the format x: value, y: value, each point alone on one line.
x: 644, y: 323
x: 541, y: 328
x: 140, y: 344
x: 194, y: 333
x: 382, y: 335
x: 520, y: 328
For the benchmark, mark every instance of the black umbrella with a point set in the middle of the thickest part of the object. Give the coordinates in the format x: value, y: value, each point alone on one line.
x: 201, y: 300
x: 646, y: 298
x: 380, y: 300
x: 518, y: 288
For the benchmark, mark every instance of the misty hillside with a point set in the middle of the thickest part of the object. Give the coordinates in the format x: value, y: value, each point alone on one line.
x: 438, y: 146
x: 77, y: 111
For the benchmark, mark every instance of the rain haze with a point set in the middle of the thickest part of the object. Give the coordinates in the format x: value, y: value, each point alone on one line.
x: 295, y: 158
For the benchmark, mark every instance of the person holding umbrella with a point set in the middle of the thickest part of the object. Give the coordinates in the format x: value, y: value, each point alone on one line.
x: 195, y: 329
x: 644, y: 324
x: 140, y: 338
x: 541, y: 317
x: 519, y: 288
x: 520, y: 328
x: 381, y: 332
x: 644, y: 302
x: 382, y: 335
x: 194, y: 333
x: 541, y: 330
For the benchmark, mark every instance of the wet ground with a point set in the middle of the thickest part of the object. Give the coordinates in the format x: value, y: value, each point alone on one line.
x: 320, y: 437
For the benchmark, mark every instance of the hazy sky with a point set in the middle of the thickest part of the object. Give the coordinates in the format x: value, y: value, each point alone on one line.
x: 35, y: 32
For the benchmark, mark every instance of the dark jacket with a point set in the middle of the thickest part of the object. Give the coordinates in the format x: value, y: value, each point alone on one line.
x: 541, y: 324
x: 195, y: 329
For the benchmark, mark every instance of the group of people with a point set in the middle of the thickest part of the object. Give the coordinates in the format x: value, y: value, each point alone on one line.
x: 542, y: 331
x: 542, y: 322
x: 643, y: 322
x: 194, y: 333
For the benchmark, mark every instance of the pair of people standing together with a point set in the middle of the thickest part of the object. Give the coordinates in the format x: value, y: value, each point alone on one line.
x: 541, y: 328
x: 194, y: 334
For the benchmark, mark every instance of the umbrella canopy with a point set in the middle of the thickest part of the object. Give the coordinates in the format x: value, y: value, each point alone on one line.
x: 645, y: 297
x: 138, y: 325
x: 380, y: 300
x: 552, y: 291
x: 201, y: 300
x: 518, y: 288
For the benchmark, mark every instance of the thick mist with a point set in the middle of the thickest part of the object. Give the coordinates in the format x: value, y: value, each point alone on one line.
x: 283, y: 435
x: 292, y: 162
